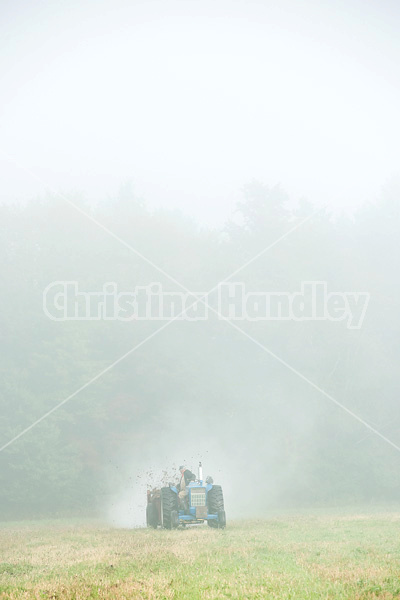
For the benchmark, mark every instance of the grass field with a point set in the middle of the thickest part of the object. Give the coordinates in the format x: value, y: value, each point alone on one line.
x: 290, y: 557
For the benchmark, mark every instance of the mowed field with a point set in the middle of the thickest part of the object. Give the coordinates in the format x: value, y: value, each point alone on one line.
x: 292, y: 557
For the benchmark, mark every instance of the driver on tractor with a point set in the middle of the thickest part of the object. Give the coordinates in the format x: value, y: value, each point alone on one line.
x: 186, y: 477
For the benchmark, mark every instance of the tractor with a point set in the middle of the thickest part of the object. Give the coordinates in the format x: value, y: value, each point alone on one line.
x: 205, y: 502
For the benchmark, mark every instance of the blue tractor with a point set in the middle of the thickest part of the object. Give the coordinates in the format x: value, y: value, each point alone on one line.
x: 204, y: 502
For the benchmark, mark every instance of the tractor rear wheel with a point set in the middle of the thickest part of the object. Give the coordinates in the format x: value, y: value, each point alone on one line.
x: 169, y: 508
x: 215, y: 501
x: 221, y: 519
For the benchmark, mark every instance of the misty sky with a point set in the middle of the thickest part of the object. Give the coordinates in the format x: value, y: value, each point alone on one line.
x: 192, y: 99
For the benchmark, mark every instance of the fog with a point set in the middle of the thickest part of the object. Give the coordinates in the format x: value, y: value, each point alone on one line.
x: 184, y: 145
x: 193, y: 99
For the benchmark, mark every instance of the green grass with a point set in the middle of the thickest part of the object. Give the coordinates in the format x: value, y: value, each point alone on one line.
x: 288, y: 557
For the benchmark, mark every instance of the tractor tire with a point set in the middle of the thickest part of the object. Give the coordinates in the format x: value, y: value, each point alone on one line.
x: 169, y: 508
x: 174, y: 519
x: 151, y: 515
x: 215, y: 501
x: 221, y: 519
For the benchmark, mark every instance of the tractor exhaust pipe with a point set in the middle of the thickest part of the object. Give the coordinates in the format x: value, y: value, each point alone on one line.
x: 200, y: 473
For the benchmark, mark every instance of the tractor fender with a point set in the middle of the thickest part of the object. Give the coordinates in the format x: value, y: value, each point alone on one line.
x: 173, y: 488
